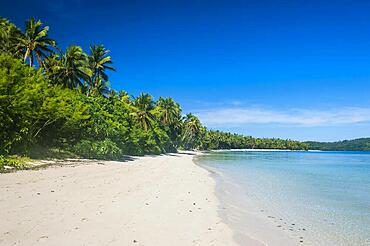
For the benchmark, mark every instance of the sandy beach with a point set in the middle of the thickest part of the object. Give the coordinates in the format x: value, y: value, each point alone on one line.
x: 159, y: 200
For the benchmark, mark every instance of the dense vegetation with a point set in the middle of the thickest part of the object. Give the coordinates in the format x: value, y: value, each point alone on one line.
x: 53, y: 99
x: 225, y: 140
x: 355, y: 144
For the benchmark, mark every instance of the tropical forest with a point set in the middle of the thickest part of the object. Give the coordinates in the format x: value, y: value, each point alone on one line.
x: 57, y: 102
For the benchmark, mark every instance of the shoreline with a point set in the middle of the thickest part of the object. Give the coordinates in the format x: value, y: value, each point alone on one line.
x: 260, y: 150
x: 167, y: 199
x: 255, y: 227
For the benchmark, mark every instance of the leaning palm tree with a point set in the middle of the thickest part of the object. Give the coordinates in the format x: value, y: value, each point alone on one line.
x: 99, y: 62
x: 192, y: 131
x: 35, y: 42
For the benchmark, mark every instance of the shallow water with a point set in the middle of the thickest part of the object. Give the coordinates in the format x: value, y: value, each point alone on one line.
x: 323, y: 197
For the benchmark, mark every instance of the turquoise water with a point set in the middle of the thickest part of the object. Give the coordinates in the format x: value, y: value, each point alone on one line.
x: 323, y: 196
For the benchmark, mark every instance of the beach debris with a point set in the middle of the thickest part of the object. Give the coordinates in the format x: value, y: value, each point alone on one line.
x: 52, y: 191
x: 194, y: 203
x: 134, y: 241
x: 190, y: 210
x: 38, y: 193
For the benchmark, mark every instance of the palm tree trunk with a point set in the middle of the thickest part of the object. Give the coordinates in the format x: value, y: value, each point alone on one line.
x: 25, y: 56
x: 39, y: 60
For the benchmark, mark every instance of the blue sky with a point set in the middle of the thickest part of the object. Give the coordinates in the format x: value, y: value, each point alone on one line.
x: 290, y: 69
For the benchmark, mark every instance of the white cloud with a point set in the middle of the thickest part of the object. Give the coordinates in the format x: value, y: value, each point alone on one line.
x: 237, y: 116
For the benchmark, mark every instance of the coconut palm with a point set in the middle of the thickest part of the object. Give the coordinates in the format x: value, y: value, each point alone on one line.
x: 143, y: 110
x: 35, y: 42
x: 101, y: 87
x: 99, y: 62
x: 71, y: 69
x: 169, y: 111
x: 124, y: 97
x: 193, y: 130
x: 9, y: 34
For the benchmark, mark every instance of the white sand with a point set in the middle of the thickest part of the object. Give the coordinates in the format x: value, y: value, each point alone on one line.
x: 163, y: 200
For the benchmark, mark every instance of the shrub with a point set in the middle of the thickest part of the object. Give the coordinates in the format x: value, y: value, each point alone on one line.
x: 105, y: 149
x: 13, y: 162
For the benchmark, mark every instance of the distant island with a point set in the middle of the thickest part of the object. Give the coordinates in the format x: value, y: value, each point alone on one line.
x: 361, y: 144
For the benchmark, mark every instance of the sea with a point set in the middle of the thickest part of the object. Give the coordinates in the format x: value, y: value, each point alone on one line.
x: 312, y: 197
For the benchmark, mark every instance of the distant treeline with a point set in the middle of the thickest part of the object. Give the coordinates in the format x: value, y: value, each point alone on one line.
x: 225, y: 140
x: 54, y: 99
x: 355, y: 144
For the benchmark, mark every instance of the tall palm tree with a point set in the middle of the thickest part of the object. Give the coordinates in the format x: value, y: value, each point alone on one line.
x: 99, y: 62
x: 71, y: 69
x: 35, y: 42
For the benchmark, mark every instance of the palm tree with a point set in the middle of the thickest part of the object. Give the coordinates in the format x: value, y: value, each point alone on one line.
x: 124, y: 97
x: 101, y: 87
x: 192, y: 131
x: 35, y: 42
x: 71, y: 69
x: 99, y: 62
x: 143, y: 110
x: 168, y: 110
x: 9, y: 34
x: 168, y: 113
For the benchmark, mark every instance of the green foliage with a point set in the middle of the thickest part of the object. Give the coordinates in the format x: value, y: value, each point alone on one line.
x: 9, y: 163
x: 9, y: 34
x: 224, y: 140
x: 193, y: 133
x: 31, y: 108
x: 105, y: 149
x: 35, y: 42
x: 355, y: 144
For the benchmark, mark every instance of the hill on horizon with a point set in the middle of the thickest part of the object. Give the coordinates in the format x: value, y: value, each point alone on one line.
x: 354, y: 144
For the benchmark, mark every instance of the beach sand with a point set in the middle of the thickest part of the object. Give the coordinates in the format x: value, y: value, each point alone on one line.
x: 154, y: 200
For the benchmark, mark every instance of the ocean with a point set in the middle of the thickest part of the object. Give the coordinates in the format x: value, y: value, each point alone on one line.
x: 314, y: 198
